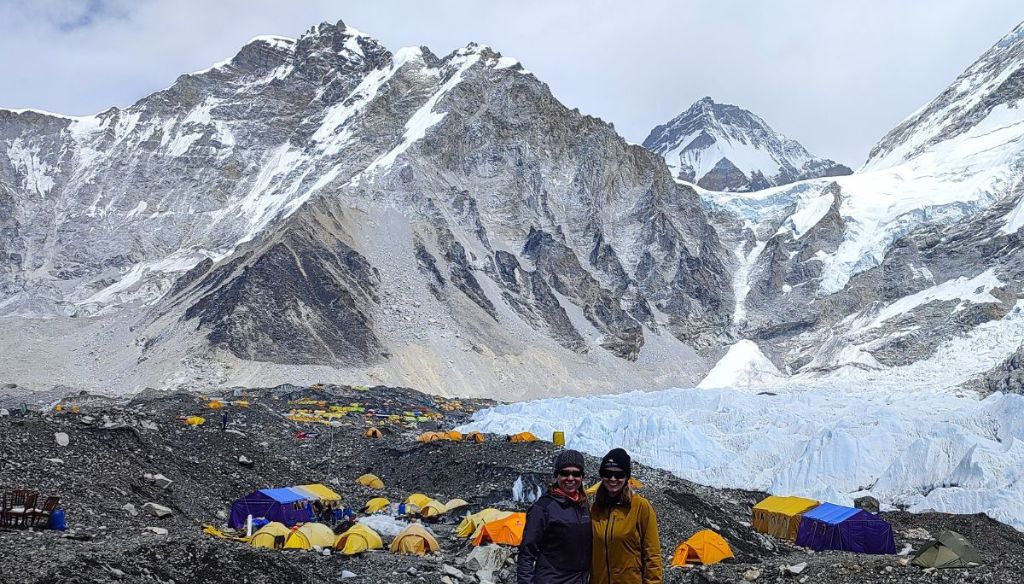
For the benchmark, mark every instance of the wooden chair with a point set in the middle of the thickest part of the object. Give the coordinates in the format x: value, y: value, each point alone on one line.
x: 22, y: 504
x: 39, y: 517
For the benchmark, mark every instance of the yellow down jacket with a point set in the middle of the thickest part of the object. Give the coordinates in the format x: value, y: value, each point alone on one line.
x: 626, y: 546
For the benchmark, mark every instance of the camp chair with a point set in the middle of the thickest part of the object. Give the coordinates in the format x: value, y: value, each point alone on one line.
x: 39, y: 517
x: 22, y: 503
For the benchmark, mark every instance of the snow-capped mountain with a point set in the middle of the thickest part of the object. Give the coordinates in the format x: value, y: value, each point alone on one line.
x: 322, y: 208
x: 722, y: 147
x: 915, y: 257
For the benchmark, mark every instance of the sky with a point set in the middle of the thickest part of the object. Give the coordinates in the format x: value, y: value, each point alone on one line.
x: 835, y: 76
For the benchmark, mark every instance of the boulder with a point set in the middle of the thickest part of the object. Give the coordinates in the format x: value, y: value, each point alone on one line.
x: 62, y: 439
x: 157, y: 530
x: 158, y: 510
x: 869, y: 504
x: 130, y: 509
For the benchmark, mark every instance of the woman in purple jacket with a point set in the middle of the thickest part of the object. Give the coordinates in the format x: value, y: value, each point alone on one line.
x: 557, y: 538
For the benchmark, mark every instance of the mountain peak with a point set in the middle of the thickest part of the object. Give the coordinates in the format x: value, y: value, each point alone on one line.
x: 725, y: 147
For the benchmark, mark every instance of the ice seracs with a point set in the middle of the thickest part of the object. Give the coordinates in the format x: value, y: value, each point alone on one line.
x: 830, y: 441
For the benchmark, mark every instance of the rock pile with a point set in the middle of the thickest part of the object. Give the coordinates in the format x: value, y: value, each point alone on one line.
x: 138, y: 484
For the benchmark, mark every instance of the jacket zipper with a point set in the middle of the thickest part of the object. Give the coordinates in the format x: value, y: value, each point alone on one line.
x: 608, y: 544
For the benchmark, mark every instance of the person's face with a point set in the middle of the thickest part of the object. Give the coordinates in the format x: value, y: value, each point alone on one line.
x: 570, y: 478
x: 613, y: 480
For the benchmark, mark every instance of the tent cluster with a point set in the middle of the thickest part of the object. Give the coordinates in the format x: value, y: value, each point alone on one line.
x: 286, y: 505
x: 317, y: 411
x: 413, y: 540
x: 427, y: 508
x: 823, y: 526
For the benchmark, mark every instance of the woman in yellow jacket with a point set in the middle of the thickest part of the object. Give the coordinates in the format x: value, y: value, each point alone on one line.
x: 626, y: 547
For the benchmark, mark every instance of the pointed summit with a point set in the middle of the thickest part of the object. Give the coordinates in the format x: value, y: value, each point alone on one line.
x: 726, y: 148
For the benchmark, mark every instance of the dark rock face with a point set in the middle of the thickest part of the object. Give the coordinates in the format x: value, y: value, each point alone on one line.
x: 530, y: 296
x: 300, y: 299
x: 724, y: 177
x: 1008, y: 377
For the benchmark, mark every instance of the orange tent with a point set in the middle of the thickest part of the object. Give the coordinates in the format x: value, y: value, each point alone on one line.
x: 453, y: 435
x: 522, y: 437
x: 432, y: 436
x: 373, y: 433
x: 508, y: 530
x: 705, y: 547
x: 474, y: 437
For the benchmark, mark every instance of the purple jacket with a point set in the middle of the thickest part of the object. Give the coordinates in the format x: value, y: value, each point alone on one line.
x: 556, y: 543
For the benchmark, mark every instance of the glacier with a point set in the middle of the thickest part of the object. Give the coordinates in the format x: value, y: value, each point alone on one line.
x: 918, y: 450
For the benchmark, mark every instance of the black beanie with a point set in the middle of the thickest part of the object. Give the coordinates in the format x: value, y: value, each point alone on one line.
x: 620, y: 458
x: 568, y: 458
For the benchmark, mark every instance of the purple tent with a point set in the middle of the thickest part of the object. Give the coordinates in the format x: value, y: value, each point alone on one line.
x: 283, y: 505
x: 833, y: 527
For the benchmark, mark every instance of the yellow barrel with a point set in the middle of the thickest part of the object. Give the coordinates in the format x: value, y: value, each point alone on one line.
x: 558, y: 438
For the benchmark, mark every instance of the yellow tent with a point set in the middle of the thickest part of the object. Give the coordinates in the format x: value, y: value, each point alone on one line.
x: 455, y: 504
x: 310, y: 535
x: 371, y: 480
x: 373, y: 433
x: 215, y: 404
x: 358, y: 538
x: 195, y: 421
x: 375, y: 505
x: 317, y: 492
x: 704, y: 547
x: 522, y: 437
x: 264, y: 537
x: 780, y: 516
x: 474, y: 437
x: 472, y: 524
x: 415, y: 541
x: 508, y: 530
x: 418, y: 499
x: 432, y: 508
x: 453, y: 435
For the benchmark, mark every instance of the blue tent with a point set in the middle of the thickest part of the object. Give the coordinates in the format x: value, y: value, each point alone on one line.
x: 283, y: 505
x: 834, y: 527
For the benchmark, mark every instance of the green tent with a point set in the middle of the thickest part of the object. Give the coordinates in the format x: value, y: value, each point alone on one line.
x: 948, y: 550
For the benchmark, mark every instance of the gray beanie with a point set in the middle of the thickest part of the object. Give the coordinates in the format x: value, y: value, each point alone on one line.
x: 568, y: 458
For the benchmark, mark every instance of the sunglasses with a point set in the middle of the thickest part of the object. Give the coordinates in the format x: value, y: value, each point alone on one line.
x: 570, y: 473
x: 613, y: 474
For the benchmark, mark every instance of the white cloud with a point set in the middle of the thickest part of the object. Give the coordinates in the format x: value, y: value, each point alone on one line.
x: 835, y: 76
